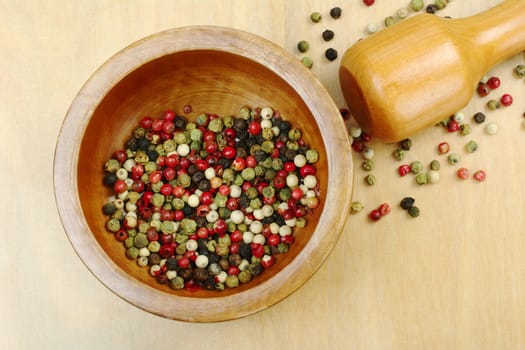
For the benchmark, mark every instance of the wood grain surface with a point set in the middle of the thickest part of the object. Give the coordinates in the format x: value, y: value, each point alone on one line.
x: 452, y: 278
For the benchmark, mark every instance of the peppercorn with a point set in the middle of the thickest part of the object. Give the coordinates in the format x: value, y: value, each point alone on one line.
x: 491, y: 128
x: 435, y: 165
x: 519, y: 71
x: 389, y: 21
x: 335, y: 12
x: 356, y: 207
x: 453, y: 158
x: 432, y: 8
x: 315, y: 17
x: 370, y: 179
x: 416, y: 167
x: 244, y: 276
x: 421, y: 179
x: 413, y: 211
x: 464, y: 129
x: 368, y: 165
x: 330, y: 54
x: 406, y: 144
x: 232, y: 281
x: 328, y: 35
x: 407, y: 203
x: 398, y: 154
x: 417, y: 5
x: 493, y: 104
x: 402, y: 13
x: 471, y: 146
x: 433, y: 176
x: 479, y: 117
x: 440, y: 4
x: 303, y: 46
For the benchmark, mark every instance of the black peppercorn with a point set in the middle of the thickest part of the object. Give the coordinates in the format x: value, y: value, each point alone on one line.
x: 109, y: 179
x: 255, y: 269
x: 328, y: 35
x: 200, y: 274
x: 152, y: 154
x: 335, y: 12
x: 407, y: 203
x: 245, y: 251
x: 330, y: 54
x: 432, y: 8
x: 171, y: 264
x: 154, y: 259
x: 143, y: 144
x: 132, y: 144
x: 479, y: 117
x: 180, y: 122
x: 406, y: 144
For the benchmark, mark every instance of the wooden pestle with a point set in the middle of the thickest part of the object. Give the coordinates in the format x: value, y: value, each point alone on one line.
x: 425, y: 68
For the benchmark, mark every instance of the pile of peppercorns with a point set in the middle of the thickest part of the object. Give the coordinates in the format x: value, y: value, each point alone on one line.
x: 211, y: 203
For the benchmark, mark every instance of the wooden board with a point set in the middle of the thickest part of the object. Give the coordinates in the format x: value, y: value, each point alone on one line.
x: 453, y: 278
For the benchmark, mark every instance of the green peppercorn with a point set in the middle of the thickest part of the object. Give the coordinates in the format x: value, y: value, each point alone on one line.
x: 416, y: 167
x: 315, y: 17
x: 356, y: 207
x: 303, y: 46
x: 176, y: 283
x: 370, y: 179
x: 389, y: 21
x: 421, y: 178
x: 113, y: 225
x: 255, y: 268
x: 440, y: 4
x: 493, y: 104
x: 519, y: 71
x: 453, y: 158
x: 112, y: 165
x: 294, y: 134
x: 368, y: 165
x: 413, y: 211
x: 232, y: 281
x: 140, y: 240
x: 132, y: 252
x: 398, y: 154
x: 435, y: 165
x: 244, y: 276
x: 417, y: 5
x: 464, y: 129
x: 471, y: 146
x: 312, y: 156
x: 188, y: 226
x: 307, y: 61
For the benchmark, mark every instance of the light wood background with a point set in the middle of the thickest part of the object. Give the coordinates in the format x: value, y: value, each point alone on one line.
x: 453, y: 278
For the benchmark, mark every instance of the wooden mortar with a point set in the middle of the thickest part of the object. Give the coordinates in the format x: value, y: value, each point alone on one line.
x: 424, y: 69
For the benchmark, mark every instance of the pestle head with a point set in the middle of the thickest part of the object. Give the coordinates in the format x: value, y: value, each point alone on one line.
x: 408, y: 76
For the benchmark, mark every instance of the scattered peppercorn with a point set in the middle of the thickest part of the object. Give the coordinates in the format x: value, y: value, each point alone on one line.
x: 479, y: 117
x: 519, y: 71
x: 413, y: 211
x: 479, y: 175
x: 303, y: 46
x: 417, y: 5
x: 328, y: 35
x: 407, y: 203
x: 406, y: 144
x: 356, y: 207
x: 432, y: 8
x: 506, y: 100
x: 330, y: 54
x: 336, y: 12
x: 307, y: 61
x: 471, y: 146
x: 494, y: 83
x: 315, y: 17
x: 493, y: 104
x: 370, y: 179
x: 453, y: 158
x: 389, y: 21
x: 368, y: 2
x: 463, y: 173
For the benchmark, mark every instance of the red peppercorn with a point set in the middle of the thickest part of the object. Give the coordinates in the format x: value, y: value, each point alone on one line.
x: 483, y: 89
x: 146, y: 122
x: 168, y: 114
x: 452, y: 125
x: 121, y: 235
x: 220, y: 226
x: 155, y: 176
x: 233, y: 271
x: 358, y: 146
x: 506, y: 100
x: 267, y: 261
x: 236, y: 236
x: 166, y: 189
x: 463, y: 173
x: 403, y: 169
x: 137, y: 186
x: 234, y: 248
x: 257, y: 250
x: 120, y: 156
x: 297, y: 193
x: 232, y: 203
x: 251, y: 162
x: 229, y: 152
x: 288, y: 239
x: 443, y: 147
x: 479, y: 175
x: 289, y: 166
x: 384, y: 209
x: 166, y: 250
x: 307, y: 170
x: 238, y: 164
x: 187, y: 109
x: 166, y: 238
x: 274, y: 239
x: 157, y: 124
x: 254, y: 128
x: 375, y: 215
x: 493, y: 83
x: 368, y: 2
x: 183, y: 262
x: 120, y: 186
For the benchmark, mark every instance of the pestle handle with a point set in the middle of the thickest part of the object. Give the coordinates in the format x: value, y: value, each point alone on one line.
x: 496, y: 34
x: 423, y: 69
